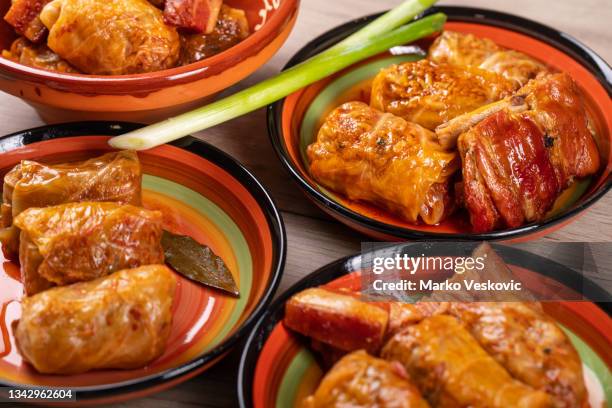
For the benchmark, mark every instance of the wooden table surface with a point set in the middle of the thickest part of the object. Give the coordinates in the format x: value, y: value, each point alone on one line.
x: 313, y: 238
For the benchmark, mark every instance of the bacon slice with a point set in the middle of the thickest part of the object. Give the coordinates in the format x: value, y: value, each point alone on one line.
x: 23, y: 16
x: 198, y: 16
x: 518, y: 159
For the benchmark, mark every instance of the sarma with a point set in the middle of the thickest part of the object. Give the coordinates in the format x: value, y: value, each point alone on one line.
x: 121, y: 37
x: 529, y: 344
x: 468, y: 50
x: 113, y: 177
x: 361, y: 381
x: 457, y: 354
x: 111, y: 37
x: 383, y: 159
x: 82, y: 241
x: 451, y: 369
x: 120, y: 321
x: 430, y: 94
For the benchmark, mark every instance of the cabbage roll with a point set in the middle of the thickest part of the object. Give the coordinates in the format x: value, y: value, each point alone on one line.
x: 451, y: 369
x: 120, y: 321
x: 111, y: 37
x: 361, y: 381
x: 430, y: 94
x: 382, y: 159
x: 78, y: 242
x: 113, y: 177
x: 529, y: 344
x: 469, y: 50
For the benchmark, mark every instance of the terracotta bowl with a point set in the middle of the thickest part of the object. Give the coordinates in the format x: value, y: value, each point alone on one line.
x: 294, y: 122
x: 152, y: 96
x: 201, y: 192
x: 278, y: 368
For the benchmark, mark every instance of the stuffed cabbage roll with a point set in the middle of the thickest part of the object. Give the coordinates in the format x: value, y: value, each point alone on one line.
x: 402, y: 315
x: 119, y: 321
x: 452, y: 370
x: 231, y: 28
x: 82, y: 241
x: 113, y: 177
x: 430, y: 94
x: 469, y: 50
x: 359, y: 380
x: 111, y: 37
x: 37, y: 56
x: 382, y: 159
x: 530, y: 345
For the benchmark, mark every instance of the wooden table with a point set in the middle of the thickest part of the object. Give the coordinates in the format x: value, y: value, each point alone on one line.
x: 314, y: 238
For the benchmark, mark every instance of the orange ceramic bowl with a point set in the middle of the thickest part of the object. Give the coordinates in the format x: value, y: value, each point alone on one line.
x: 152, y: 96
x: 294, y: 122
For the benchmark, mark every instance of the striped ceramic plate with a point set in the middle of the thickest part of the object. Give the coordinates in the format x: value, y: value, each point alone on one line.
x: 277, y: 368
x: 294, y: 121
x: 203, y: 193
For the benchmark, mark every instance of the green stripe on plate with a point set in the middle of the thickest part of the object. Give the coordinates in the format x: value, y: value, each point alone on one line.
x: 290, y: 384
x: 213, y: 213
x: 594, y: 362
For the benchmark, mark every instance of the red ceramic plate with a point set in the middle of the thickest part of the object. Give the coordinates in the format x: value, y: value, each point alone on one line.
x: 294, y: 122
x: 277, y: 369
x: 202, y: 193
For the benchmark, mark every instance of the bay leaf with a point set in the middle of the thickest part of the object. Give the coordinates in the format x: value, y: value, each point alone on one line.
x: 198, y: 262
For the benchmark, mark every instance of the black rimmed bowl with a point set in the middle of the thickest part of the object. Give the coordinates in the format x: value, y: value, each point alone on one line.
x: 277, y: 368
x: 203, y: 193
x: 294, y: 121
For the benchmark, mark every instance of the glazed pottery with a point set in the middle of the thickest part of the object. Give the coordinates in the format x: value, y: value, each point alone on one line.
x: 202, y: 193
x: 151, y: 96
x: 294, y: 121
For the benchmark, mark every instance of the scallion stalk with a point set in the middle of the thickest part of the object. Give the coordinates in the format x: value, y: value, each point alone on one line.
x: 371, y: 40
x: 389, y: 21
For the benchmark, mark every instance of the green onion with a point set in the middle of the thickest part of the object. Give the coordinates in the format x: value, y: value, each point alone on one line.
x: 389, y: 21
x: 371, y: 40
